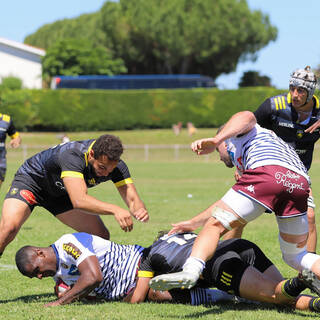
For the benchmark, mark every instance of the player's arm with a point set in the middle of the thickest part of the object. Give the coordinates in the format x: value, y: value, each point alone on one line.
x: 193, y: 223
x: 136, y: 206
x: 239, y: 124
x: 77, y: 191
x: 90, y: 277
x: 14, y: 135
x: 140, y: 292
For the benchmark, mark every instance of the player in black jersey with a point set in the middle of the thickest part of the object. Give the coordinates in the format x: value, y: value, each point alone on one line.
x: 7, y: 128
x: 58, y: 178
x: 238, y: 267
x: 294, y: 117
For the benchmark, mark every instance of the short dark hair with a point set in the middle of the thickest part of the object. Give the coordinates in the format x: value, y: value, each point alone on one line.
x: 23, y: 258
x: 108, y: 145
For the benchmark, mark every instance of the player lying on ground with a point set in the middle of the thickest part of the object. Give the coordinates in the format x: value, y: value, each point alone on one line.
x: 87, y: 262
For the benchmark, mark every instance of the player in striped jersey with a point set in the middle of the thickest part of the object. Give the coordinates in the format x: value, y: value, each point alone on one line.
x: 273, y: 178
x: 58, y: 180
x: 121, y: 272
x: 295, y: 118
x: 91, y: 265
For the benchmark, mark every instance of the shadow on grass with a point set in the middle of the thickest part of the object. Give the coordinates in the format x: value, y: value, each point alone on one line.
x: 46, y: 298
x: 223, y: 307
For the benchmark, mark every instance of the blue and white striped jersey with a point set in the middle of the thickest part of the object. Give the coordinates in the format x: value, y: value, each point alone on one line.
x: 261, y: 147
x: 118, y: 263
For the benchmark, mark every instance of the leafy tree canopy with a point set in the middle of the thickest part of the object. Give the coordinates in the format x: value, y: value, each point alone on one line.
x: 254, y: 79
x: 170, y: 36
x: 78, y: 57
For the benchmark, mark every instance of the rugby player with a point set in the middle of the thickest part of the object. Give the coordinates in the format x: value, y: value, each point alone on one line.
x: 7, y: 128
x: 58, y: 180
x: 273, y: 179
x: 294, y: 117
x: 122, y: 272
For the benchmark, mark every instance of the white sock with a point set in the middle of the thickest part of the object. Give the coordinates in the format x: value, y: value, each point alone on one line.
x: 194, y: 266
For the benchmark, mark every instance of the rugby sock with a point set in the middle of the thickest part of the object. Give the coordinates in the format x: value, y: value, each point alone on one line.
x: 208, y: 296
x: 314, y: 304
x: 194, y: 266
x: 293, y: 287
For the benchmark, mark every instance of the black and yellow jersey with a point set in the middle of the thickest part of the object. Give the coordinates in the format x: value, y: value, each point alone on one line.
x: 278, y: 114
x: 6, y: 128
x: 69, y: 159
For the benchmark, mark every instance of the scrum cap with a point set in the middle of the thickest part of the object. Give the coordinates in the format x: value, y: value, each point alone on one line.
x: 305, y: 79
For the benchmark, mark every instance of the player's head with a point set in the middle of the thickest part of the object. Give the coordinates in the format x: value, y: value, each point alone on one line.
x: 108, y: 145
x: 305, y: 79
x: 36, y: 262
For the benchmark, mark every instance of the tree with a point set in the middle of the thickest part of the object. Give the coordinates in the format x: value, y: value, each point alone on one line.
x: 171, y: 36
x: 78, y: 57
x: 254, y: 79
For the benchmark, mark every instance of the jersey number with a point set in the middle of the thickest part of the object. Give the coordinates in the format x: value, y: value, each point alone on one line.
x: 180, y: 240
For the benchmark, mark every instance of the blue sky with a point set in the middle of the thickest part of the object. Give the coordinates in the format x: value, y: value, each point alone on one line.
x: 297, y: 21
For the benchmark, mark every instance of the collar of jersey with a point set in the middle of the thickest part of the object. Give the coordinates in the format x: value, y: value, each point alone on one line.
x: 87, y: 153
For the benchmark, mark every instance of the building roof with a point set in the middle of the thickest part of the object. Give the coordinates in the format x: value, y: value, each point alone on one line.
x: 22, y: 46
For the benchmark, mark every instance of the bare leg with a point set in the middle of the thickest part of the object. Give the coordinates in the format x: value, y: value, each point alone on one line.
x: 81, y: 221
x: 14, y: 213
x: 312, y: 239
x: 234, y: 233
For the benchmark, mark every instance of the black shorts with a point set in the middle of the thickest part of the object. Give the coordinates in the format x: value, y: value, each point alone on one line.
x: 27, y: 190
x: 232, y: 258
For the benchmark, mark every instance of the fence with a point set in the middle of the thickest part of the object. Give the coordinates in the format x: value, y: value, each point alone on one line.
x: 134, y: 152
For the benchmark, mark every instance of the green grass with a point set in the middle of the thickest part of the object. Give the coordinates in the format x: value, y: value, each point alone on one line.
x: 164, y: 184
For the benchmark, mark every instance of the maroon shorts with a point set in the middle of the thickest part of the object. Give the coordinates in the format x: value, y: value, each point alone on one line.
x: 277, y: 188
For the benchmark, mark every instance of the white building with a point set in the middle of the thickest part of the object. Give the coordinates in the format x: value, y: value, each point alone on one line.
x: 21, y: 61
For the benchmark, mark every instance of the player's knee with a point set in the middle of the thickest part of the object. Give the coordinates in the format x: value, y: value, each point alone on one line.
x: 297, y: 258
x: 224, y: 219
x: 311, y: 216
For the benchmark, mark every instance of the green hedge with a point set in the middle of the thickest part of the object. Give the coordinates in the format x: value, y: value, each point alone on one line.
x: 100, y: 110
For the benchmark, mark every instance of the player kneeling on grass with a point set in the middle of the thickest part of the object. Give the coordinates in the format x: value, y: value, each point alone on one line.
x: 84, y: 264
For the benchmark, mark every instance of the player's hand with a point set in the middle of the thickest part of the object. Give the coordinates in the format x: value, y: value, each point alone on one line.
x: 53, y: 304
x: 183, y: 226
x: 14, y: 143
x: 312, y: 128
x: 141, y: 215
x: 203, y: 146
x: 237, y: 176
x: 124, y: 219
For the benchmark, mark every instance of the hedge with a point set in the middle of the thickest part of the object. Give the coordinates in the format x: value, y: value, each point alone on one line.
x: 100, y: 110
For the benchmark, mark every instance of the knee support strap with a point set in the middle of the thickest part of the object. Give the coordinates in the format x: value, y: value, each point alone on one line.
x: 224, y: 217
x: 297, y: 258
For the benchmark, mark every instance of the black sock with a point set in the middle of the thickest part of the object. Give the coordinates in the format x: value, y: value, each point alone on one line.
x: 314, y: 304
x: 293, y: 287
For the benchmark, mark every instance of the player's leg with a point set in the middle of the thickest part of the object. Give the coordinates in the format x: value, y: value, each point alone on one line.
x: 233, y: 210
x: 234, y: 233
x: 3, y: 169
x: 83, y: 221
x: 312, y: 239
x: 14, y: 213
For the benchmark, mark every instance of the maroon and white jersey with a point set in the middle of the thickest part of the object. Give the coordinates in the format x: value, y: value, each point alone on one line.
x: 261, y: 147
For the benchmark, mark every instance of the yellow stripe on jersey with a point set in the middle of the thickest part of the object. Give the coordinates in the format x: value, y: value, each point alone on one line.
x: 145, y: 274
x: 123, y: 182
x: 71, y: 174
x: 283, y: 102
x: 276, y: 102
x: 289, y: 97
x: 87, y: 153
x: 317, y: 102
x: 15, y: 135
x: 6, y: 118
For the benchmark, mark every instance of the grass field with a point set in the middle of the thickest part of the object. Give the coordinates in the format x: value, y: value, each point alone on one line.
x: 165, y: 183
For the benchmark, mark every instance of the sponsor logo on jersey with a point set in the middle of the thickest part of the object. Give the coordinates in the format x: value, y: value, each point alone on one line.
x: 64, y: 266
x: 92, y: 181
x: 28, y: 196
x: 72, y: 250
x: 60, y: 185
x: 285, y: 124
x: 14, y: 191
x: 299, y: 134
